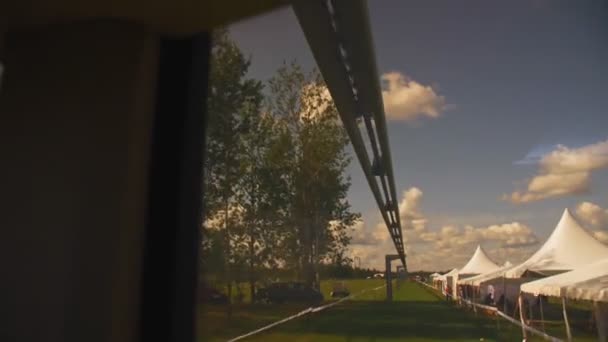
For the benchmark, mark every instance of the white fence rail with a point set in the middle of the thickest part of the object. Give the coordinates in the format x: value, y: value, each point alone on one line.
x: 506, y: 317
x: 302, y: 313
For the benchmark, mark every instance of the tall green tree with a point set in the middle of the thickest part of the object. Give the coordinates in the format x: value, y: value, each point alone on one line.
x: 255, y: 189
x: 230, y: 92
x: 319, y: 211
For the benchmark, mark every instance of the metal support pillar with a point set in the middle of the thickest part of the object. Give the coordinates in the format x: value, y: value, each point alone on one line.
x: 400, y: 275
x: 388, y: 276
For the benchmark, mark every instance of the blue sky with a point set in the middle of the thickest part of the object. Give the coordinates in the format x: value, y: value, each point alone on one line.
x: 518, y: 78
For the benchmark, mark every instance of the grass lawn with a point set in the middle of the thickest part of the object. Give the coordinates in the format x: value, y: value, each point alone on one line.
x: 355, y: 286
x: 214, y: 325
x: 416, y: 314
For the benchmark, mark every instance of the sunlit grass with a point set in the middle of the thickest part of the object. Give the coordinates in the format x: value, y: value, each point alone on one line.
x: 416, y: 314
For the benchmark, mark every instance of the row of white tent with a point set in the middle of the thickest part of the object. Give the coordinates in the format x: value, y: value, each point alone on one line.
x: 571, y: 264
x: 570, y: 256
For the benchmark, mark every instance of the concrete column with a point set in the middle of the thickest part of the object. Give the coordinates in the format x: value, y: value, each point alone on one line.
x: 389, y: 279
x: 388, y: 276
x: 76, y: 108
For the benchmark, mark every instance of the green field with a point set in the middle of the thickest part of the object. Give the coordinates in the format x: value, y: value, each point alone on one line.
x: 416, y: 314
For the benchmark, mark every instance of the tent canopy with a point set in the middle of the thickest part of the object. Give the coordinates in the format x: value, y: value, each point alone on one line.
x: 568, y: 247
x: 481, y: 278
x: 479, y: 263
x: 446, y: 275
x: 587, y: 283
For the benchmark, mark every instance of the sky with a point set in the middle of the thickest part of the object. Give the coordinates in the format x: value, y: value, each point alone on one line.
x: 497, y: 120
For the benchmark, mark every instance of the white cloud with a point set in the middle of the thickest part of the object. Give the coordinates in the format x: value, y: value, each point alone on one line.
x: 409, y: 210
x: 447, y: 247
x: 595, y: 218
x: 407, y: 100
x: 563, y: 171
x: 363, y: 236
x: 592, y: 214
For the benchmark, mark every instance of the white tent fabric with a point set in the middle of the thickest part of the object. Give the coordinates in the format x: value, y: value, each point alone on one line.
x: 568, y: 247
x: 451, y: 273
x: 478, y: 279
x: 445, y: 279
x: 434, y: 275
x: 586, y: 283
x: 479, y: 263
x: 446, y: 275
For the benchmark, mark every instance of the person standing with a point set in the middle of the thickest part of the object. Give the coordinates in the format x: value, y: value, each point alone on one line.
x: 448, y: 293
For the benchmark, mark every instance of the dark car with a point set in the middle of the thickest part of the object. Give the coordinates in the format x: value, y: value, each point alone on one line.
x: 212, y: 296
x: 339, y: 291
x: 289, y: 292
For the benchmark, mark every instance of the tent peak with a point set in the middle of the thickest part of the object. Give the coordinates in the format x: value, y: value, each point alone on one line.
x: 568, y: 247
x: 567, y: 215
x: 479, y: 263
x: 567, y: 222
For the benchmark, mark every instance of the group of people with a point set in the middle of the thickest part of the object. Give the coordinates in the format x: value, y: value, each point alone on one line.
x: 489, y: 299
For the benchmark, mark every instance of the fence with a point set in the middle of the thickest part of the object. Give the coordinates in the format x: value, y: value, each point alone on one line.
x: 506, y: 317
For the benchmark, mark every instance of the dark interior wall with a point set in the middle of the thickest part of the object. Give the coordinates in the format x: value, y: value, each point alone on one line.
x: 76, y: 108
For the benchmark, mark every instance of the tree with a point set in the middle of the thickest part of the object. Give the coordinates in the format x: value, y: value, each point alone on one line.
x: 319, y: 212
x: 255, y: 189
x: 230, y: 92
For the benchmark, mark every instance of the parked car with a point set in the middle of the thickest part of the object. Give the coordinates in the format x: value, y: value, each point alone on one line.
x: 339, y: 290
x: 210, y: 295
x: 289, y: 292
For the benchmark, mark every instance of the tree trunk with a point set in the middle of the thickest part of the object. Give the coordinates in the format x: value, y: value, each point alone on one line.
x: 251, y: 265
x: 252, y: 244
x: 227, y: 258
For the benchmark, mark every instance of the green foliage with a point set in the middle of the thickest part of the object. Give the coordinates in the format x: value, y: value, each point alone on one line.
x: 275, y: 183
x: 319, y: 213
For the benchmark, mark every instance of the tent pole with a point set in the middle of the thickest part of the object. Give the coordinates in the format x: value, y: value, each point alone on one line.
x: 504, y: 294
x: 602, y: 327
x: 568, y: 332
x: 521, y: 317
x: 542, y: 314
x: 530, y: 313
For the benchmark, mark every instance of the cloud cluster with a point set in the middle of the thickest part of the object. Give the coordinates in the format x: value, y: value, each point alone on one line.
x: 595, y: 218
x: 407, y: 100
x: 443, y: 248
x: 410, y: 212
x: 592, y: 214
x: 563, y: 171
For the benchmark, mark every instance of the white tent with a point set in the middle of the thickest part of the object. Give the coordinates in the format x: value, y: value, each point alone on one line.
x: 434, y: 275
x: 568, y: 247
x: 478, y: 264
x: 450, y: 281
x: 478, y: 279
x: 445, y: 275
x: 451, y: 273
x: 445, y: 279
x: 587, y: 283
